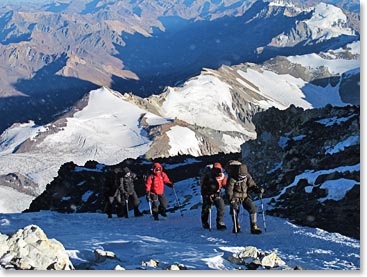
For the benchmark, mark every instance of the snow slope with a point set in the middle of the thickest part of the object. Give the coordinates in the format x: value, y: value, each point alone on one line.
x: 329, y: 60
x: 107, y: 130
x: 12, y: 201
x: 180, y: 239
x: 202, y: 100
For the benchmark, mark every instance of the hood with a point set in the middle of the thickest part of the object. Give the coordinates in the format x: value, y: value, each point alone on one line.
x: 125, y: 170
x: 243, y: 171
x: 218, y: 165
x: 216, y: 172
x: 157, y: 167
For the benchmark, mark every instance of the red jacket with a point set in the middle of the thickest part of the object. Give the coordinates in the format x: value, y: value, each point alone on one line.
x: 155, y: 181
x: 222, y: 179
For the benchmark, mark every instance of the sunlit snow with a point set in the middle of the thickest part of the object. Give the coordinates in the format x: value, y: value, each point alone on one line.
x: 181, y: 239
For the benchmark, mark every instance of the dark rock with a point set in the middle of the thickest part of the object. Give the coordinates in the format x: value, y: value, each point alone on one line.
x: 301, y: 142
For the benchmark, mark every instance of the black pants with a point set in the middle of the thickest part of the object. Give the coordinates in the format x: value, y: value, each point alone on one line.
x: 247, y: 203
x: 218, y: 202
x: 132, y: 199
x: 114, y: 205
x: 159, y: 203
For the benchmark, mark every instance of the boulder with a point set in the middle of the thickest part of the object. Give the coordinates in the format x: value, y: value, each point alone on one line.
x: 29, y: 248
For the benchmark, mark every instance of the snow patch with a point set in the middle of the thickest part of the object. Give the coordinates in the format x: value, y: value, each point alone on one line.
x: 183, y: 141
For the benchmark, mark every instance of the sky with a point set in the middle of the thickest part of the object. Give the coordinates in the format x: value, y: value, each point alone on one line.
x: 180, y: 239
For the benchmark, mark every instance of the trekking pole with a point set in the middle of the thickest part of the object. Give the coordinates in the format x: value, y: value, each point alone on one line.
x: 178, y: 201
x: 210, y: 218
x: 127, y: 207
x: 150, y: 207
x: 235, y: 221
x: 263, y: 212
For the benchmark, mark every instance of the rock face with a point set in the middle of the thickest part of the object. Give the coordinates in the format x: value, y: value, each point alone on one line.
x: 81, y: 188
x: 30, y: 249
x: 298, y: 154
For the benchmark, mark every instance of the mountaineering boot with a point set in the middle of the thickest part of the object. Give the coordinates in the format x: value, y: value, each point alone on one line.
x: 205, y: 225
x: 155, y: 216
x: 254, y: 228
x: 137, y: 213
x: 221, y: 226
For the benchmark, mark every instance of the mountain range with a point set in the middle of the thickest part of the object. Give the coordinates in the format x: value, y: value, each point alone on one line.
x: 209, y: 113
x: 53, y: 52
x: 212, y: 111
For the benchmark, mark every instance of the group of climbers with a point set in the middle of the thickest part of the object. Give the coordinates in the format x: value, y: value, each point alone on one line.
x: 237, y: 187
x: 120, y: 191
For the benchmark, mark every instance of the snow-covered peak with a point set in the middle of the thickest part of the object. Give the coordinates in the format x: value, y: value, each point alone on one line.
x: 108, y: 128
x: 327, y: 22
x: 205, y: 101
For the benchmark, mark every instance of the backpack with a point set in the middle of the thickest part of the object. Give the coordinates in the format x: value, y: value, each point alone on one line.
x: 240, y: 186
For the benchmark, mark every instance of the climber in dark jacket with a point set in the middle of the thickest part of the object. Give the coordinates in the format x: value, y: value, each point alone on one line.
x: 127, y: 192
x: 211, y: 194
x: 111, y: 193
x: 240, y: 183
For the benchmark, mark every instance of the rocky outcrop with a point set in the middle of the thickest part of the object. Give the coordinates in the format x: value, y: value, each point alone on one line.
x: 250, y: 258
x: 297, y: 155
x: 81, y: 188
x: 20, y: 183
x: 30, y: 249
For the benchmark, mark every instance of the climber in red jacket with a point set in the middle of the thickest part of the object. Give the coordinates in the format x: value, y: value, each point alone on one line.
x: 154, y: 187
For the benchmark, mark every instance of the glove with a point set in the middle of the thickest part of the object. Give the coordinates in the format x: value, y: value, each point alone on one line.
x: 235, y: 203
x: 148, y: 196
x: 210, y: 198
